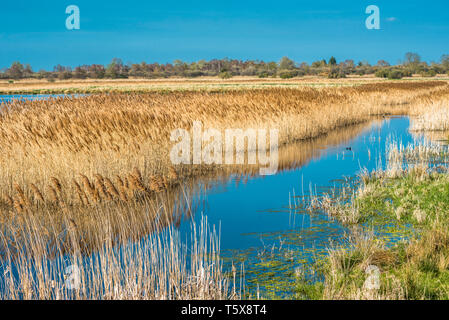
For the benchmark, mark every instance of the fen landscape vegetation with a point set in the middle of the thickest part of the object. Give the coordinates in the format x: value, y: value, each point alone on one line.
x: 89, y: 179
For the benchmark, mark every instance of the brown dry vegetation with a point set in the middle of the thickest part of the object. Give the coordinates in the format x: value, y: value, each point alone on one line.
x: 31, y: 85
x: 128, y: 126
x: 180, y: 84
x: 112, y: 149
x: 79, y: 174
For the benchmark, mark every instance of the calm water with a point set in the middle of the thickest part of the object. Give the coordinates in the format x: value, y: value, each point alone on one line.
x: 32, y: 97
x: 260, y: 206
x: 257, y: 227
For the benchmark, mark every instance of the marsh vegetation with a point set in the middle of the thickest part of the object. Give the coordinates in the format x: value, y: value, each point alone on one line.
x: 89, y: 179
x: 409, y: 196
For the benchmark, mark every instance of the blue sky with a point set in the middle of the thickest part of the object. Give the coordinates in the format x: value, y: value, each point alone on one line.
x: 161, y: 31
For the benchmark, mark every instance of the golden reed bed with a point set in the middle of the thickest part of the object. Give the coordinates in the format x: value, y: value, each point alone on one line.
x: 82, y: 175
x: 115, y: 147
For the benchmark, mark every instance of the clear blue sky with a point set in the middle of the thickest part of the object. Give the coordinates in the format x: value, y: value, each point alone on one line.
x: 161, y: 31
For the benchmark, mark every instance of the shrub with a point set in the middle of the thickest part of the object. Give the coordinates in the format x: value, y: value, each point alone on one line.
x: 429, y: 73
x: 288, y: 74
x: 225, y: 75
x: 395, y: 74
x: 336, y: 73
x: 407, y: 73
x: 193, y: 73
x: 382, y: 73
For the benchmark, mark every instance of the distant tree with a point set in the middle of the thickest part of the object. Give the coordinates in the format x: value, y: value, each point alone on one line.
x: 286, y: 64
x: 382, y: 73
x: 348, y: 66
x: 137, y: 70
x: 80, y: 72
x: 179, y: 67
x: 438, y: 68
x: 62, y: 72
x: 411, y: 57
x: 96, y: 71
x: 445, y: 62
x: 382, y: 63
x: 272, y: 66
x: 318, y: 64
x: 16, y: 70
x: 364, y: 63
x: 115, y: 69
x: 303, y: 69
x: 412, y: 61
x: 201, y: 64
x: 230, y: 67
x: 336, y: 73
x: 41, y: 74
x: 58, y: 68
x: 248, y: 71
x: 263, y: 74
x: 428, y: 73
x: 27, y: 71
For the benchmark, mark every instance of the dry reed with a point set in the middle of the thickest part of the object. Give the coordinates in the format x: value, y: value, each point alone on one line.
x: 74, y: 147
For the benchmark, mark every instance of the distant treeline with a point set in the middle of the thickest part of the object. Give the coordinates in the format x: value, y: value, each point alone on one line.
x: 227, y: 68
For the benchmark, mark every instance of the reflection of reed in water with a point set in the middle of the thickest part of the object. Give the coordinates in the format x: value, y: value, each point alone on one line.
x: 104, y: 212
x: 159, y: 266
x: 291, y: 156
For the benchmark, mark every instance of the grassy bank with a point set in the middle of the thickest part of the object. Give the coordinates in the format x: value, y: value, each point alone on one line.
x: 410, y: 197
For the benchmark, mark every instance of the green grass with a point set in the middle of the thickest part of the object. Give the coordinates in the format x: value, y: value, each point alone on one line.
x: 415, y: 206
x: 404, y: 198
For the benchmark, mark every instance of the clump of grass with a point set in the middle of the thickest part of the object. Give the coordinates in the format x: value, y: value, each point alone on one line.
x: 433, y: 117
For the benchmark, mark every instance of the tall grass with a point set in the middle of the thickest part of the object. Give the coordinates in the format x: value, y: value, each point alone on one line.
x: 112, y: 134
x: 160, y: 266
x: 434, y: 117
x: 82, y: 178
x: 410, y: 197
